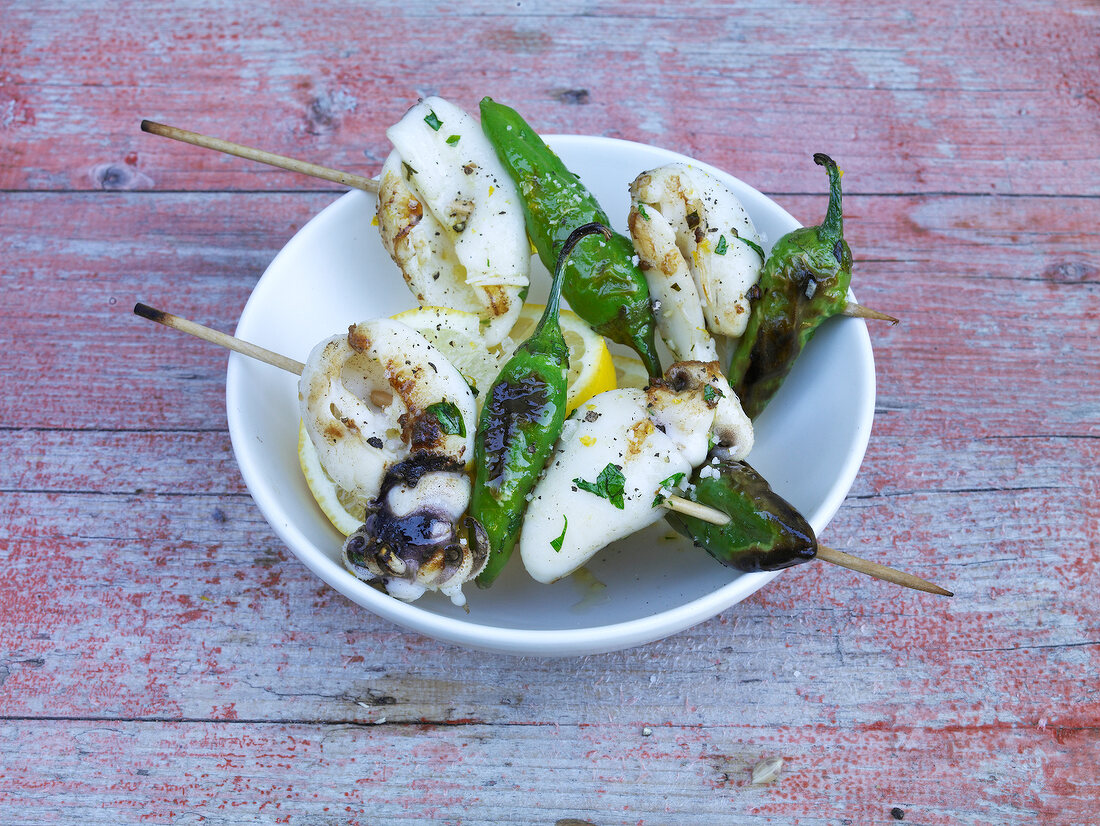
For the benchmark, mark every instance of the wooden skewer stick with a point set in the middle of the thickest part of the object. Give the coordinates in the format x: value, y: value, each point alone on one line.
x: 704, y: 513
x: 219, y: 338
x: 270, y: 158
x: 865, y: 566
x: 673, y: 503
x: 824, y: 553
x: 853, y: 310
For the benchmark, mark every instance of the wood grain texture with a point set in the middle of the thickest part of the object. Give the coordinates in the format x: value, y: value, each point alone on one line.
x: 165, y: 659
x: 933, y: 96
x: 240, y: 773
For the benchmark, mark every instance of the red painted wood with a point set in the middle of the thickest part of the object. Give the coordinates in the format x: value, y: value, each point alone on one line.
x: 606, y: 774
x: 163, y: 656
x: 933, y: 96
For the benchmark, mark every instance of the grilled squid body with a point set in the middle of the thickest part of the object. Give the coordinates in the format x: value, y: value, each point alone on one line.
x: 649, y: 436
x: 689, y: 231
x: 451, y: 217
x: 393, y: 422
x: 372, y: 397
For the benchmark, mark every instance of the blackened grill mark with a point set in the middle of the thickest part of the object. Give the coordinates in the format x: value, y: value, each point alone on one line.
x: 410, y: 471
x: 516, y: 410
x: 415, y: 538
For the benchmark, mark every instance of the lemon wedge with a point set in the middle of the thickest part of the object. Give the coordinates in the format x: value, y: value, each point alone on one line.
x: 457, y: 334
x: 344, y: 510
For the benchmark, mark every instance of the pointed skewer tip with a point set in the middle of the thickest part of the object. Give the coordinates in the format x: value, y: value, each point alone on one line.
x: 883, y: 572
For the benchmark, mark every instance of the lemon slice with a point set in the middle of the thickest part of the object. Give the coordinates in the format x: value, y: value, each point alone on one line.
x: 457, y: 334
x: 630, y: 372
x: 591, y: 369
x: 344, y: 510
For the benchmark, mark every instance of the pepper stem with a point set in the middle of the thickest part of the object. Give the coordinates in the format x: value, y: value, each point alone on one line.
x: 833, y: 225
x: 553, y: 302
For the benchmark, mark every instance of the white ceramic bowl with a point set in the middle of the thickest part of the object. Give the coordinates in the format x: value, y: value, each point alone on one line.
x: 334, y: 272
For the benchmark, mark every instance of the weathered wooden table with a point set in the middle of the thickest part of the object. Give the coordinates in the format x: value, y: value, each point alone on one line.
x: 163, y: 658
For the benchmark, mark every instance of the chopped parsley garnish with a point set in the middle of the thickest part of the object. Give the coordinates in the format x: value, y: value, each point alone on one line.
x: 557, y: 543
x: 642, y: 212
x: 453, y: 139
x: 672, y: 481
x: 753, y: 245
x: 409, y: 171
x: 722, y: 246
x: 609, y: 485
x: 449, y: 417
x: 433, y: 120
x: 712, y: 393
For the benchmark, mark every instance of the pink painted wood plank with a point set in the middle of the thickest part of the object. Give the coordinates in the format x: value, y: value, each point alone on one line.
x: 933, y: 97
x: 186, y: 606
x: 124, y: 771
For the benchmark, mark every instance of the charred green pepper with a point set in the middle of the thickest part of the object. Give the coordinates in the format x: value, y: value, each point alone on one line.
x: 765, y: 532
x: 520, y: 422
x: 602, y: 284
x: 805, y: 281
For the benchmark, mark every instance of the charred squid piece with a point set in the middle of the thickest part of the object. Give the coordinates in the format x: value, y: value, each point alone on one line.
x: 452, y: 219
x: 414, y: 538
x: 373, y: 396
x: 621, y: 453
x: 700, y: 252
x: 692, y: 402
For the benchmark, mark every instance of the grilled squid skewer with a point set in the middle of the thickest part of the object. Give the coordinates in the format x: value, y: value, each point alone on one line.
x: 393, y: 422
x: 713, y: 241
x: 451, y: 217
x: 625, y: 447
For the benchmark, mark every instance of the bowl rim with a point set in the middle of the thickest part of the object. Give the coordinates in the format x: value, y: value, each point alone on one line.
x: 539, y: 642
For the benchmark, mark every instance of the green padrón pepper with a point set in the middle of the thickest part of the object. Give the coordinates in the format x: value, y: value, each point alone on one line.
x: 765, y: 532
x: 805, y: 281
x: 522, y: 419
x: 602, y: 284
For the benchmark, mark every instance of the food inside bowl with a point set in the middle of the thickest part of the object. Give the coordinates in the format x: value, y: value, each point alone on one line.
x: 694, y: 270
x: 439, y: 445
